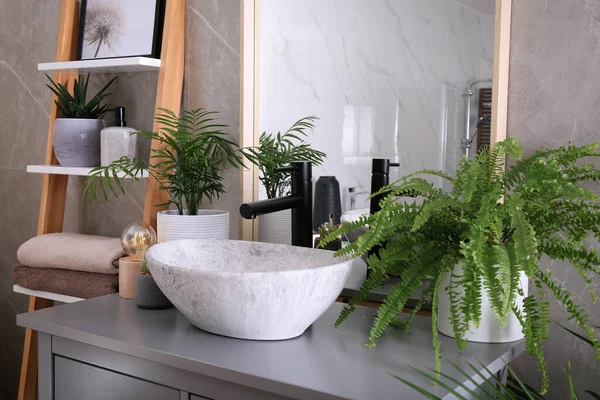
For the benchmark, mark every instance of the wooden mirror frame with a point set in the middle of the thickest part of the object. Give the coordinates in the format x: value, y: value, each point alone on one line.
x: 249, y: 99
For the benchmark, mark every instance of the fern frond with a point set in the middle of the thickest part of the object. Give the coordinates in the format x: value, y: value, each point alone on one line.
x: 437, y: 346
x: 574, y: 311
x: 524, y: 239
x: 459, y: 326
x: 376, y: 278
x: 362, y: 222
x: 584, y: 261
x: 497, y: 279
x: 535, y: 319
x: 475, y: 252
x: 471, y: 284
x: 567, y: 155
x: 382, y: 225
x: 498, y: 155
x: 393, y: 304
x: 426, y: 297
x: 428, y: 208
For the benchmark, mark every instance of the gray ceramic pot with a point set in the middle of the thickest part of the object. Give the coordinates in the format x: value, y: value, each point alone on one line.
x: 148, y: 294
x: 77, y: 141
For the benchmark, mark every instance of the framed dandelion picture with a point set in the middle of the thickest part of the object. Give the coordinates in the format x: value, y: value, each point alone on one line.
x: 120, y: 28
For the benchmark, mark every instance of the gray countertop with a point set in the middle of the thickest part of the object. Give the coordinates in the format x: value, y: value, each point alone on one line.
x: 324, y: 362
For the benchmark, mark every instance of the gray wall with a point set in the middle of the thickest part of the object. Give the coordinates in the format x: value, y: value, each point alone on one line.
x: 554, y: 97
x: 29, y: 32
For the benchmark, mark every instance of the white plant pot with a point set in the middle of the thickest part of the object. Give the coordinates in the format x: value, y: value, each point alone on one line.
x: 490, y: 330
x: 275, y: 227
x: 208, y: 224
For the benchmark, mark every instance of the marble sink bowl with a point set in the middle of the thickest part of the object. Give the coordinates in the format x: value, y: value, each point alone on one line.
x: 248, y: 290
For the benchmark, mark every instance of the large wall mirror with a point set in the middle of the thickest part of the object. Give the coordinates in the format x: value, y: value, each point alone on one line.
x: 421, y: 83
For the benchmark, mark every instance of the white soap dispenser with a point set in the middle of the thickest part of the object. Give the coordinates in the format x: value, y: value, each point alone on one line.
x: 117, y: 141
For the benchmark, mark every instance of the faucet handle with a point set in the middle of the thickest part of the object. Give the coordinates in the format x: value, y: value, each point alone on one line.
x: 289, y: 168
x: 302, y: 170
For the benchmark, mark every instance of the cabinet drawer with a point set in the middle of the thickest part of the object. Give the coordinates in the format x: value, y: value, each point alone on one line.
x: 75, y: 380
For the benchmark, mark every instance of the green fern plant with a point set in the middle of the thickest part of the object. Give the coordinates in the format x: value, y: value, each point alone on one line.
x: 76, y: 105
x: 274, y: 151
x: 495, y: 223
x: 192, y: 151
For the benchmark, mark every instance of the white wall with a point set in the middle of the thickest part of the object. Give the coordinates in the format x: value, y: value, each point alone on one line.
x: 385, y: 77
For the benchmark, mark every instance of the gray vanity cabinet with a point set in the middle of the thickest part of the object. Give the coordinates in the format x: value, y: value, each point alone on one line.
x: 75, y: 380
x: 107, y: 348
x: 73, y: 370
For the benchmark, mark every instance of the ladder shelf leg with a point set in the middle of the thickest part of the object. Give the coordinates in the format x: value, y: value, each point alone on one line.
x: 54, y: 190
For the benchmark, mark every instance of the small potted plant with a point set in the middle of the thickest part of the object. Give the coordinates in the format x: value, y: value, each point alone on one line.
x: 147, y: 293
x: 76, y: 135
x: 472, y: 250
x: 187, y: 165
x: 274, y: 151
x: 325, y: 230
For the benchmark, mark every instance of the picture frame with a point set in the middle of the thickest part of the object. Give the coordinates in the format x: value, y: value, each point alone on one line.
x: 120, y: 29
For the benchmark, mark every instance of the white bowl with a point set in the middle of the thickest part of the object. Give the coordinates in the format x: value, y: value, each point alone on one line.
x: 248, y: 290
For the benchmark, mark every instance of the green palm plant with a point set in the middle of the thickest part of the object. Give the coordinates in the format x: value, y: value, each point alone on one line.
x: 76, y: 105
x: 496, y: 223
x: 192, y: 151
x: 274, y: 151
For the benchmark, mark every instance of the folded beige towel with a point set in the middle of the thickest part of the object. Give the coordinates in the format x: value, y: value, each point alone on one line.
x: 70, y: 283
x: 72, y: 251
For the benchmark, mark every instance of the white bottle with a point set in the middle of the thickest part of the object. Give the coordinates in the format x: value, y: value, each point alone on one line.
x: 117, y: 141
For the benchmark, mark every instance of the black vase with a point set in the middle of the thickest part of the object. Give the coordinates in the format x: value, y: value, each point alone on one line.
x: 327, y: 201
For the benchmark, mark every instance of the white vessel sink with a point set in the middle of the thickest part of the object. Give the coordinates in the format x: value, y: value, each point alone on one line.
x: 248, y: 290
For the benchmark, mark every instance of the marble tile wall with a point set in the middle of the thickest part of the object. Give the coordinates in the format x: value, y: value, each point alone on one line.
x: 553, y: 100
x: 29, y: 31
x: 385, y: 77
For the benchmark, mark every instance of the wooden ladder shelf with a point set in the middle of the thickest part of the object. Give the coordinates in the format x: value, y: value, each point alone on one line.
x: 54, y: 187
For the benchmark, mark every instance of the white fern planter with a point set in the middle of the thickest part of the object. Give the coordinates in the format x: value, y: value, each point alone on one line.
x: 490, y: 330
x: 275, y: 227
x: 208, y: 224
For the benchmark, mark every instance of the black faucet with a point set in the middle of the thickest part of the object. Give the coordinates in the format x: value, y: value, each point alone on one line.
x: 380, y: 177
x: 300, y: 201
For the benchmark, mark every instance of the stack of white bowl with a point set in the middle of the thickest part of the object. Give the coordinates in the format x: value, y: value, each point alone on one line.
x: 208, y: 224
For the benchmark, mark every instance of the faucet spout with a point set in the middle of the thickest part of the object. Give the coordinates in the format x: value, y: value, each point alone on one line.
x: 261, y: 207
x: 300, y: 202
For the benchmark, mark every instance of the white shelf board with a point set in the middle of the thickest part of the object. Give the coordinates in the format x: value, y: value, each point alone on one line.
x: 112, y: 65
x: 60, y: 170
x: 46, y: 295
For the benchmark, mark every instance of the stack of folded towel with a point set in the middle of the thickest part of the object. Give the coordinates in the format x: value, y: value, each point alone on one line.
x: 70, y: 264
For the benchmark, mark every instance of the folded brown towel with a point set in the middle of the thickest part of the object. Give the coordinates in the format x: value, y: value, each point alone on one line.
x: 72, y: 251
x: 70, y: 283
